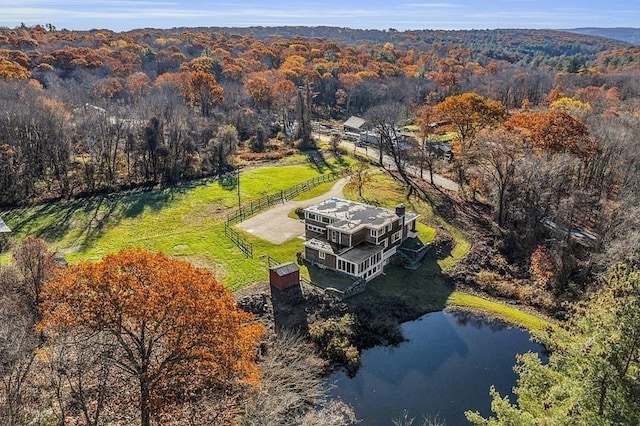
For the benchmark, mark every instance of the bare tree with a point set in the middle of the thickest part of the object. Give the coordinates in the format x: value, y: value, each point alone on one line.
x: 292, y: 388
x: 497, y: 154
x: 224, y: 145
x: 81, y: 375
x: 36, y: 264
x: 17, y: 349
x: 385, y: 118
x: 361, y: 175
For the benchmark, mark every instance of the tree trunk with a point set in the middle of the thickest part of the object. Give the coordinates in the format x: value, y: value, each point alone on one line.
x: 145, y: 408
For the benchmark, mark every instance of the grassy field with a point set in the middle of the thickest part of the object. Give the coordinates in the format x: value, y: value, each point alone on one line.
x: 184, y: 221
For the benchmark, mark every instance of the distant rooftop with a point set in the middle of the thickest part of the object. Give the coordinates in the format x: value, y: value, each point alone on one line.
x: 349, y: 215
x: 355, y: 122
x: 3, y: 227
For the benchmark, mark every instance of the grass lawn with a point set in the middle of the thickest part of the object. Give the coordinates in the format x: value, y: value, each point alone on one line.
x: 315, y: 192
x: 533, y: 323
x: 184, y: 221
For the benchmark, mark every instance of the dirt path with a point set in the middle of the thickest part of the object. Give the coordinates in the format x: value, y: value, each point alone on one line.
x: 275, y: 226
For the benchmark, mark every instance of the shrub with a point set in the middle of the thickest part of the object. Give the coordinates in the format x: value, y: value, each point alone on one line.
x: 334, y: 338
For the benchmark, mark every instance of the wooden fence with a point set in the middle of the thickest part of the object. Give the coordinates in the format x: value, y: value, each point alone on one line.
x: 245, y: 246
x: 249, y: 209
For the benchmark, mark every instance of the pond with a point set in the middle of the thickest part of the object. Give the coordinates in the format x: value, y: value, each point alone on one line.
x: 446, y: 366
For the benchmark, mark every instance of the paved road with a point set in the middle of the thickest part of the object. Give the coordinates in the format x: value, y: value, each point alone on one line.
x: 414, y: 171
x: 274, y: 224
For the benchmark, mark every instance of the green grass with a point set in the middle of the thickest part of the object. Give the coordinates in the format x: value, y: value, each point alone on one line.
x: 445, y: 137
x: 461, y: 245
x: 315, y: 192
x: 535, y: 324
x: 185, y: 222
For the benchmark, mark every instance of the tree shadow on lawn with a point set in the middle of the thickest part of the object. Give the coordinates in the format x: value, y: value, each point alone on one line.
x: 317, y: 161
x: 228, y: 182
x: 50, y: 222
x: 90, y: 216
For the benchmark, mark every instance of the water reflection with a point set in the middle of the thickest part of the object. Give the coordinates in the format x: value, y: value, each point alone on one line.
x: 444, y: 368
x: 469, y: 318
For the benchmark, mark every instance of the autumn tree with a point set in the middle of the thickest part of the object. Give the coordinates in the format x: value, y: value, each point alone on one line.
x: 203, y: 91
x: 349, y: 81
x: 10, y: 70
x: 542, y: 267
x: 173, y: 328
x: 555, y: 132
x: 469, y: 113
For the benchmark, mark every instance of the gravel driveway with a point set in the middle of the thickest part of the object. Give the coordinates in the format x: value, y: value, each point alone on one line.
x: 275, y: 226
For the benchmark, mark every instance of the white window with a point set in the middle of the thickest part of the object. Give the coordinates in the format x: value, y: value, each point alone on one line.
x: 377, y: 232
x: 311, y: 216
x: 313, y: 228
x: 321, y: 255
x: 396, y: 236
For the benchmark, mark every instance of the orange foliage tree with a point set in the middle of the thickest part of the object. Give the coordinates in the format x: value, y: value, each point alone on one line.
x: 203, y: 91
x: 555, y: 132
x: 542, y: 267
x: 172, y: 326
x: 10, y: 70
x: 469, y: 113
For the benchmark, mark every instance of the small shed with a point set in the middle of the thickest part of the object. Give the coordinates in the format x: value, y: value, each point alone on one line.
x: 284, y: 276
x: 354, y: 124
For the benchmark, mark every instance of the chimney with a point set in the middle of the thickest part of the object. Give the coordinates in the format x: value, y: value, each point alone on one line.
x: 400, y: 210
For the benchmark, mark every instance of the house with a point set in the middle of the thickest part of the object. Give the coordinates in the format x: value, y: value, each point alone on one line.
x: 354, y: 125
x: 355, y: 238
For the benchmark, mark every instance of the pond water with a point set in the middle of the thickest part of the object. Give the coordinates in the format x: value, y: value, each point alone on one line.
x: 446, y: 366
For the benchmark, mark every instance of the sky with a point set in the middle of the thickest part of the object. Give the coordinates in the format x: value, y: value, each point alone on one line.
x: 121, y: 15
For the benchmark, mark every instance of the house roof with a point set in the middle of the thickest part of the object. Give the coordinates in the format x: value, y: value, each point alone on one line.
x: 351, y: 215
x: 361, y: 252
x: 357, y: 254
x: 285, y: 269
x: 3, y: 227
x: 354, y: 122
x: 319, y: 243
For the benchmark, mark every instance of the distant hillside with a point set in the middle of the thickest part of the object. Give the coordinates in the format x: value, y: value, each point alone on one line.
x: 630, y: 35
x: 517, y: 46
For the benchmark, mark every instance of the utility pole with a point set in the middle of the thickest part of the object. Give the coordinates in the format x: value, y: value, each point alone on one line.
x: 238, y: 186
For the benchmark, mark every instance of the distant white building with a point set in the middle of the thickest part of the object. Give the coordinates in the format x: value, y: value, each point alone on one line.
x: 4, y: 229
